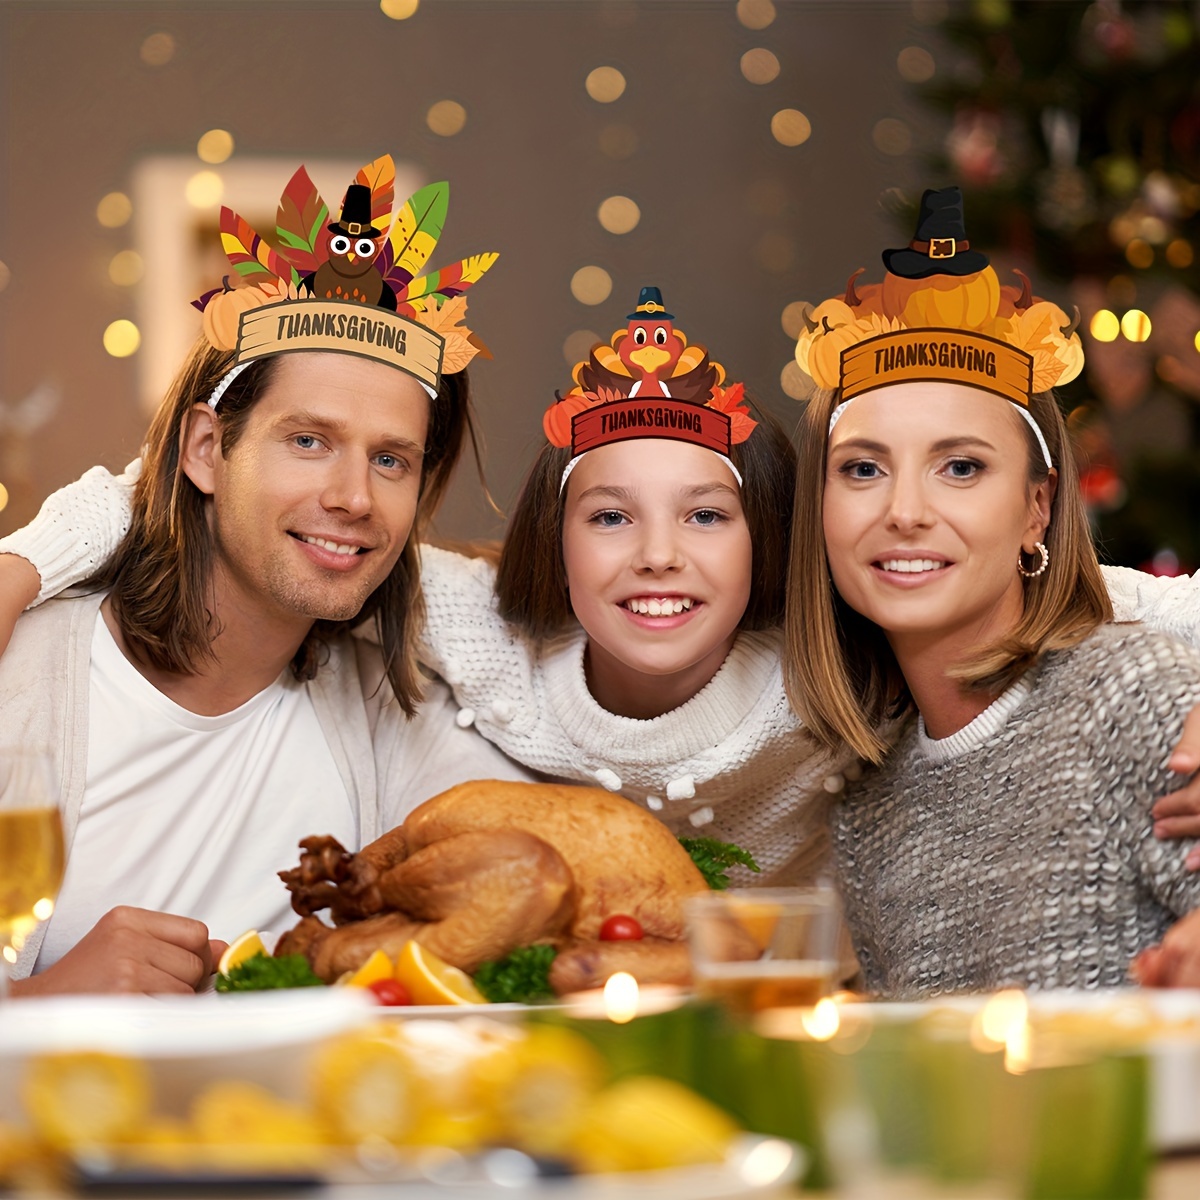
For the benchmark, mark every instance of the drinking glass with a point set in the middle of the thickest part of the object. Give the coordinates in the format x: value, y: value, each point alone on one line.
x: 763, y: 948
x: 31, y: 849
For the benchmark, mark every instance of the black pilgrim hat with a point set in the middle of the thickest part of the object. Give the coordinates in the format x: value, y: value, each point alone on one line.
x: 940, y: 245
x: 650, y: 305
x: 355, y: 220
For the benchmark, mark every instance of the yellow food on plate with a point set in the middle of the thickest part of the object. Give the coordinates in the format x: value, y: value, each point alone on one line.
x: 539, y: 1087
x: 242, y: 1123
x: 86, y: 1098
x: 430, y: 980
x: 241, y: 948
x: 365, y: 1085
x: 645, y: 1123
x: 377, y: 967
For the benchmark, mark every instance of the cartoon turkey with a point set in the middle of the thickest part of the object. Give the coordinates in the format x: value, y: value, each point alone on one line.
x: 650, y: 357
x: 349, y: 273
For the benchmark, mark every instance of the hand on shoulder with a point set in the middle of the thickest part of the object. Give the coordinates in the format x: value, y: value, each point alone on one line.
x: 131, y: 950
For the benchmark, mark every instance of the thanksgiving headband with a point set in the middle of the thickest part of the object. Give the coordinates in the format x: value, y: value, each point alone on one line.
x: 940, y: 314
x: 649, y: 382
x: 351, y: 285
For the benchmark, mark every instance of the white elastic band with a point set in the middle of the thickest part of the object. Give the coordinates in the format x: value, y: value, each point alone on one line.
x: 578, y: 458
x: 835, y: 416
x: 234, y: 372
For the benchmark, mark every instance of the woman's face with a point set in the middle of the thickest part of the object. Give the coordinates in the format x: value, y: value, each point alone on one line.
x: 658, y: 561
x: 927, y: 504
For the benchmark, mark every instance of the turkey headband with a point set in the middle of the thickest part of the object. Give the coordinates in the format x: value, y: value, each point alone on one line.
x: 648, y: 382
x: 350, y: 286
x: 940, y: 314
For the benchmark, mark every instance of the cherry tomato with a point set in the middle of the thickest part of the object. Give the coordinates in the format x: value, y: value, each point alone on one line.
x: 620, y: 928
x: 390, y: 992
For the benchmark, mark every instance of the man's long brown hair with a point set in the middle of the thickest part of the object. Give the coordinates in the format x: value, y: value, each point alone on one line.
x: 160, y: 579
x: 839, y: 670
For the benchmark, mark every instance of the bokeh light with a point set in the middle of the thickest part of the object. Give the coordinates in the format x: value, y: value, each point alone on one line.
x: 755, y: 14
x: 767, y: 198
x: 790, y: 127
x: 618, y: 141
x: 892, y: 136
x: 591, y: 285
x: 446, y: 118
x: 1179, y: 253
x: 760, y: 65
x: 930, y: 12
x: 775, y: 252
x: 1139, y: 254
x: 792, y: 317
x: 5, y: 276
x: 1135, y: 325
x: 215, y: 146
x: 204, y: 189
x: 122, y: 338
x: 399, y: 10
x: 795, y: 383
x: 619, y: 214
x: 114, y: 210
x: 3, y: 497
x: 605, y: 84
x: 1105, y: 326
x: 578, y: 345
x: 126, y: 268
x: 915, y: 64
x: 1196, y: 341
x: 158, y: 50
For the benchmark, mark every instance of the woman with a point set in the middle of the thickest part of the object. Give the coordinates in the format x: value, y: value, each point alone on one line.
x: 943, y: 575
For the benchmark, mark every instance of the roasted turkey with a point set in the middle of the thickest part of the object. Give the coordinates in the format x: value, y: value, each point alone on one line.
x: 490, y: 866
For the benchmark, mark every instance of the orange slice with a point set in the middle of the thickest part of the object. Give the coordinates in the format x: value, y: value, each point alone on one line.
x: 240, y: 949
x: 430, y: 980
x: 377, y: 967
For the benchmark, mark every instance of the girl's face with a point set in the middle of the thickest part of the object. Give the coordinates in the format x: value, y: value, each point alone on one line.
x: 658, y: 560
x: 927, y: 503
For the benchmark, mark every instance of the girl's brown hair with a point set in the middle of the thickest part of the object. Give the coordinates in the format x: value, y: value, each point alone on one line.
x: 839, y: 671
x: 531, y: 582
x: 160, y: 579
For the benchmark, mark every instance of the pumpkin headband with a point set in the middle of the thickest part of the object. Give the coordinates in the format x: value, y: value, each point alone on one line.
x: 940, y: 314
x: 350, y: 286
x: 648, y: 381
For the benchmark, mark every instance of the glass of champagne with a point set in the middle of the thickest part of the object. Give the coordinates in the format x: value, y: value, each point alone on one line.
x: 31, y: 849
x: 764, y: 947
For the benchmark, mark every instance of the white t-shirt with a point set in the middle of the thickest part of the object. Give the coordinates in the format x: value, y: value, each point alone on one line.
x: 173, y: 817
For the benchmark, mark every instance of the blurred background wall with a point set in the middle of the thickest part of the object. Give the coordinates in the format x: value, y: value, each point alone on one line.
x: 741, y: 155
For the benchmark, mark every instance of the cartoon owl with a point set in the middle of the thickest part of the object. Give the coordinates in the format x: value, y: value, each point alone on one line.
x: 350, y: 272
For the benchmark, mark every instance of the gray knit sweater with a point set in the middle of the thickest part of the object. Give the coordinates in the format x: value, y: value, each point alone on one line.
x: 1020, y: 851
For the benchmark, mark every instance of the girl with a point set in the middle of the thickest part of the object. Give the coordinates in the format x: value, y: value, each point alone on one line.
x: 943, y: 573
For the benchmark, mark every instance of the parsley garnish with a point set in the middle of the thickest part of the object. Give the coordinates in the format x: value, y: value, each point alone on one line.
x: 713, y: 858
x: 261, y: 973
x: 521, y: 978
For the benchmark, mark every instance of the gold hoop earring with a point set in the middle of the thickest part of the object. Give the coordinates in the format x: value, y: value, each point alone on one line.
x: 1039, y: 549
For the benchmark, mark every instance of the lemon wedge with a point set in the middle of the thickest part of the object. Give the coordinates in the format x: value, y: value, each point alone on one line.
x: 377, y: 967
x: 240, y: 949
x: 431, y: 980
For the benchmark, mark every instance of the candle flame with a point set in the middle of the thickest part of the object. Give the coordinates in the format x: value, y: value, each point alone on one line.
x: 621, y: 997
x: 822, y: 1021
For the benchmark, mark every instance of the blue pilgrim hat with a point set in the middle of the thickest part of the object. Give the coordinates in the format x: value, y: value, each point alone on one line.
x: 650, y: 305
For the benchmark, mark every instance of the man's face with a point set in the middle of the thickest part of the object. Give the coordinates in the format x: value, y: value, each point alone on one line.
x: 314, y: 503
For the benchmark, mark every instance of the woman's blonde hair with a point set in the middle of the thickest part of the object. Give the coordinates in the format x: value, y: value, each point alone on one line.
x: 839, y: 670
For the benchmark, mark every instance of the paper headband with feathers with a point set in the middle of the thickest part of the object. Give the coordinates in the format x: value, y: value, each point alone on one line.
x: 351, y: 286
x: 940, y: 314
x: 648, y: 381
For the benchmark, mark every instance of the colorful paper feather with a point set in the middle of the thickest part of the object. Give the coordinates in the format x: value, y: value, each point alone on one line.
x: 414, y: 235
x: 299, y: 222
x: 380, y: 177
x: 452, y: 281
x: 248, y: 253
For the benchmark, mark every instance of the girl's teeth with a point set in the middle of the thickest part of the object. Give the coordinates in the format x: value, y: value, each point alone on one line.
x: 658, y: 608
x: 911, y: 565
x: 336, y: 547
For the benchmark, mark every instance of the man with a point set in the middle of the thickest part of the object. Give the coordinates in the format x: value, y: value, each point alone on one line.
x: 204, y: 704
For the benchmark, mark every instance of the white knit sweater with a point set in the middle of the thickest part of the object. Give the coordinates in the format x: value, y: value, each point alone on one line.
x: 731, y: 763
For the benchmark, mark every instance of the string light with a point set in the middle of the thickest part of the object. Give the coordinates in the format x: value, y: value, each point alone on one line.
x: 446, y: 118
x: 1140, y: 254
x: 3, y: 497
x: 158, y: 50
x: 605, y: 84
x: 795, y: 384
x: 126, y: 268
x: 619, y: 214
x: 398, y: 10
x: 915, y: 64
x: 122, y: 338
x: 1196, y: 341
x: 591, y: 285
x: 1179, y: 253
x: 760, y: 66
x: 892, y: 136
x: 215, y: 146
x: 204, y: 189
x: 5, y: 276
x: 755, y: 14
x: 792, y: 318
x: 1105, y: 326
x: 1135, y: 325
x: 114, y: 210
x: 578, y: 345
